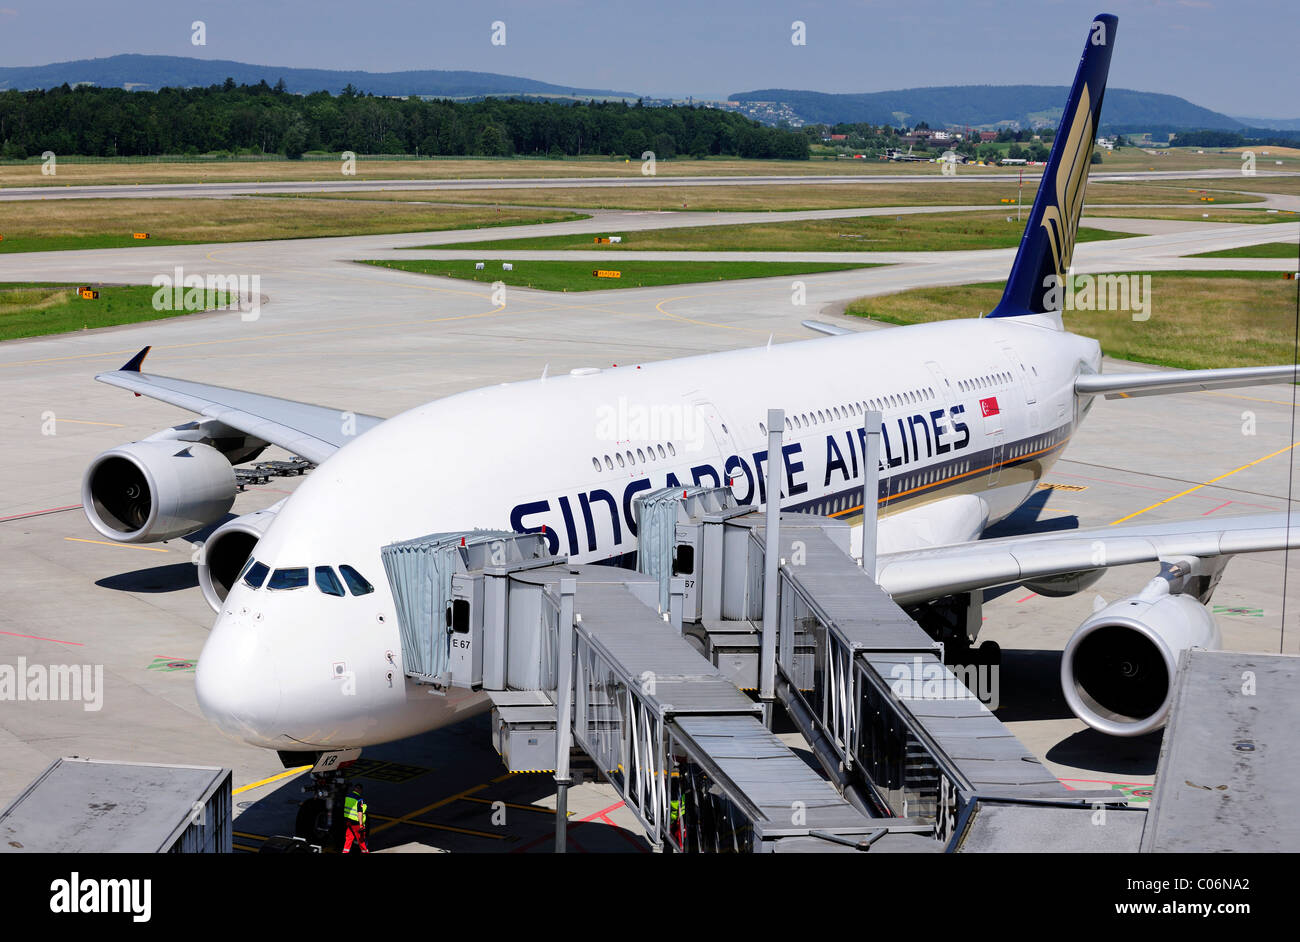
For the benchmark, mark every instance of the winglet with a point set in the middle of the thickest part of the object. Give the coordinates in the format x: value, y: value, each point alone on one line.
x: 133, y: 364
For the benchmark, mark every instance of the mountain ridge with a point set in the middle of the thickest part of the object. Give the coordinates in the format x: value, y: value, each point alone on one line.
x: 149, y: 73
x: 990, y: 105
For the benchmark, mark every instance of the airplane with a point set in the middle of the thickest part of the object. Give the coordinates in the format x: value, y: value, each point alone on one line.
x: 975, y: 413
x: 895, y: 154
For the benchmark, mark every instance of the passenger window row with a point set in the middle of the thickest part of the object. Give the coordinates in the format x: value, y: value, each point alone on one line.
x: 800, y: 420
x: 984, y: 382
x: 626, y: 459
x: 254, y: 575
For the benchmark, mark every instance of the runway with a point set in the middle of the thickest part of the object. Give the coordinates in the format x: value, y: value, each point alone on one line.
x: 360, y: 184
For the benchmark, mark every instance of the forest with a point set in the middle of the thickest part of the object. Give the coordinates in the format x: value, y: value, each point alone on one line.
x: 263, y: 119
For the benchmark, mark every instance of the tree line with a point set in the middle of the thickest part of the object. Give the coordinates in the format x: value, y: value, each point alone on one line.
x: 110, y: 122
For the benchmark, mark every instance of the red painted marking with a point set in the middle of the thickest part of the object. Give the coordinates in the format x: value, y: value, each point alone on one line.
x: 37, y: 513
x: 1026, y: 598
x: 632, y: 840
x: 1220, y: 507
x: 590, y: 819
x: 537, y: 840
x: 39, y: 638
x: 989, y: 406
x: 602, y: 814
x: 1104, y: 781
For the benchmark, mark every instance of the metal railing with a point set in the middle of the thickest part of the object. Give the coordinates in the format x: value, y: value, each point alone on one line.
x: 868, y: 729
x: 833, y: 696
x: 908, y: 770
x: 623, y: 733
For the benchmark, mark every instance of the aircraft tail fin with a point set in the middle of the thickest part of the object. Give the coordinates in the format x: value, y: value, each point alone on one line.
x: 1047, y: 246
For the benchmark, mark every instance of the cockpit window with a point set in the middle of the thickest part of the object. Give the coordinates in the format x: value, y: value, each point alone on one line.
x: 248, y: 564
x: 356, y: 582
x: 327, y: 582
x: 288, y: 579
x: 256, y: 574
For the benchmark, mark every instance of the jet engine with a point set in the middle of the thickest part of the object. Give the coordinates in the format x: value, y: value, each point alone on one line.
x: 167, y: 485
x: 156, y: 490
x: 1119, y: 666
x: 226, y: 551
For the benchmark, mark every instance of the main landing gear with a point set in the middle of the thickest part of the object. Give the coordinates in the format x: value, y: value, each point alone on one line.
x: 956, y: 621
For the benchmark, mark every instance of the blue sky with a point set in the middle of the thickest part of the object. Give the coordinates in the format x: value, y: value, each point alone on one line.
x: 1234, y: 57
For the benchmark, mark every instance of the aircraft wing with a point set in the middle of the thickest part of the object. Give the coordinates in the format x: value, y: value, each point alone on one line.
x: 312, y: 431
x: 1130, y: 385
x: 920, y: 575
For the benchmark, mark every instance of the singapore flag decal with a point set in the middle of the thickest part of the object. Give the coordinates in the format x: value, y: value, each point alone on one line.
x: 989, y: 406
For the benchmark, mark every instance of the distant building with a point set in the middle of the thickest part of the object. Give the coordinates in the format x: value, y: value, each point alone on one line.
x: 986, y: 136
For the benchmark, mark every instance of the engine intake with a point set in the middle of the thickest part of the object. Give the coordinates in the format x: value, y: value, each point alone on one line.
x: 156, y: 490
x: 226, y: 551
x: 1119, y: 666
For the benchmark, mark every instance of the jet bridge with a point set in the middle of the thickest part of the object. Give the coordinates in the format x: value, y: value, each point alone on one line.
x: 683, y: 746
x: 605, y: 665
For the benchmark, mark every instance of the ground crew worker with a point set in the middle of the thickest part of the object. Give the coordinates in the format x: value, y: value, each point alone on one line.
x: 354, y: 814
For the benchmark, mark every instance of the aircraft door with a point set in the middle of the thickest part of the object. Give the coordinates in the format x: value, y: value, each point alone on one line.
x: 718, y: 440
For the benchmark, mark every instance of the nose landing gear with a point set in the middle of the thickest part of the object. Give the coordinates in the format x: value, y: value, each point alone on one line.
x: 320, y: 816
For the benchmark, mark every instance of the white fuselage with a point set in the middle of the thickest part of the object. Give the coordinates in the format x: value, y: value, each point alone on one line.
x: 974, y: 412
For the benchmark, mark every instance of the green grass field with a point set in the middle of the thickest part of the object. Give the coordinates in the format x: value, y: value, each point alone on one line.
x: 1193, y: 214
x: 929, y: 189
x: 1199, y: 320
x: 33, y: 310
x: 62, y: 225
x: 925, y: 232
x: 1267, y: 250
x: 578, y: 276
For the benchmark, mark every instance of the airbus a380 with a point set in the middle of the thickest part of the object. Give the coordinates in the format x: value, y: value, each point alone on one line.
x: 976, y: 411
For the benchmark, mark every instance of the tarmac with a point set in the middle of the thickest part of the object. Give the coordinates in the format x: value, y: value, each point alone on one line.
x: 380, y: 341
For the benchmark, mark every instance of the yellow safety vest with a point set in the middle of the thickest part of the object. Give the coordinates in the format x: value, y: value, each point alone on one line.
x: 354, y: 809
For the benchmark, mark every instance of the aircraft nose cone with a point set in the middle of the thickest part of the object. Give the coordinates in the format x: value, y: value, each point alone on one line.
x: 235, y: 681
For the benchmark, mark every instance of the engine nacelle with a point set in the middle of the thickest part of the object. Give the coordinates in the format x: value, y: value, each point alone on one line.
x: 226, y: 551
x: 1119, y: 666
x: 156, y: 489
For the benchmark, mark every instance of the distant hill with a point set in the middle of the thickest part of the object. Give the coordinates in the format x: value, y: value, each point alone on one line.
x: 148, y: 73
x: 989, y: 105
x: 1281, y: 124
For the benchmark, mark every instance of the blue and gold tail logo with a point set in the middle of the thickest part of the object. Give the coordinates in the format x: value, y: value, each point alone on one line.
x: 1048, y: 243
